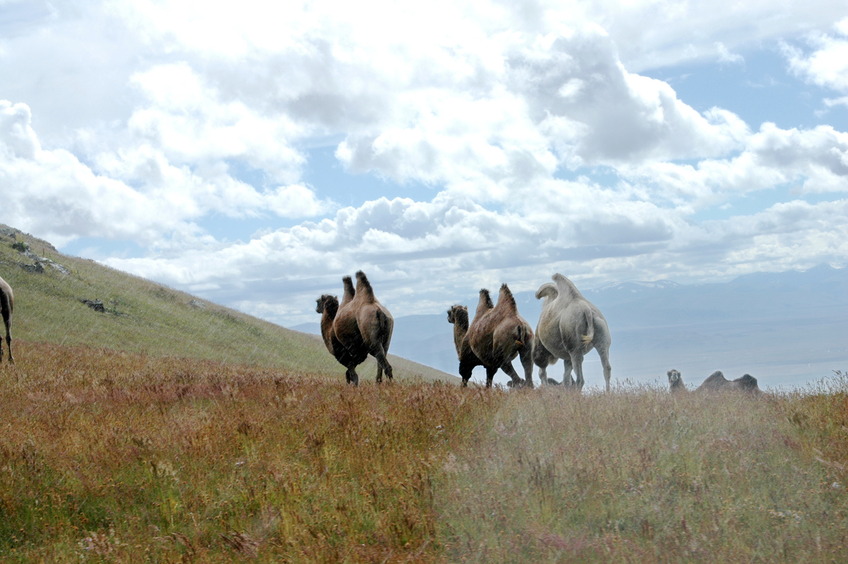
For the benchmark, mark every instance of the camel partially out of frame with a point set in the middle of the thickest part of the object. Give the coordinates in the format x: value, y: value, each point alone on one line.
x: 493, y: 339
x: 569, y: 327
x: 7, y: 305
x: 362, y: 326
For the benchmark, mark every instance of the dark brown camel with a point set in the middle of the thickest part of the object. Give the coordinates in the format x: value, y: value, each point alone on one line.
x: 364, y: 325
x: 497, y: 335
x: 328, y: 306
x: 716, y: 382
x: 7, y: 305
x: 458, y: 316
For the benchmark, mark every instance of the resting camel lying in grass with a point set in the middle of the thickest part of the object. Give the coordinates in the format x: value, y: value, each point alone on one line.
x: 495, y: 337
x: 715, y: 382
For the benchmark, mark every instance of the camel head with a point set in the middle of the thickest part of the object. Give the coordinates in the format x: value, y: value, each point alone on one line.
x: 458, y: 315
x: 547, y: 290
x: 327, y: 303
x: 674, y: 379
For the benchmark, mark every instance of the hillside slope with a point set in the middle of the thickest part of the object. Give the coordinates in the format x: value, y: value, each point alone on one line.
x: 136, y: 315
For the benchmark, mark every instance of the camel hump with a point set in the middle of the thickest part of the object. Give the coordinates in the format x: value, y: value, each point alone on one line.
x: 484, y: 304
x: 506, y: 299
x: 349, y: 291
x: 566, y: 287
x: 363, y: 287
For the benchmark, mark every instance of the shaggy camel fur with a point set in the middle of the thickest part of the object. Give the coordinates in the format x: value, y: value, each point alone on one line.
x: 495, y: 337
x: 363, y: 324
x: 7, y: 305
x: 716, y: 382
x: 675, y: 381
x: 569, y: 327
x: 328, y: 306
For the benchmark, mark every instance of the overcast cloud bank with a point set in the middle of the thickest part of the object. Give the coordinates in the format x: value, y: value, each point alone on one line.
x: 512, y: 141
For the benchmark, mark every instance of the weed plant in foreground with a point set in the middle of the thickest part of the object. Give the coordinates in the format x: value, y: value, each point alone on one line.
x: 123, y: 458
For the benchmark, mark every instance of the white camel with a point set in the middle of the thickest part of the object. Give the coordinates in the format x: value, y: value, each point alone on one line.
x: 569, y: 327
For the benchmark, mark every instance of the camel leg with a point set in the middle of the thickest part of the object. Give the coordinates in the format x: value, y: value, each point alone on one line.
x: 567, y: 380
x: 8, y: 342
x: 604, y: 354
x: 351, y: 376
x: 577, y: 364
x: 382, y: 363
x: 543, y: 375
x: 465, y: 369
x: 517, y: 382
x: 490, y: 375
x: 526, y: 355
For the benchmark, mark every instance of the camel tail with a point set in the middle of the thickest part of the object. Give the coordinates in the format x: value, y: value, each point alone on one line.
x: 590, y: 330
x: 386, y: 325
x: 522, y: 335
x: 363, y: 287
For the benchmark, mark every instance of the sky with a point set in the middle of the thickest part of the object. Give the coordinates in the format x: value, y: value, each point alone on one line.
x: 253, y: 153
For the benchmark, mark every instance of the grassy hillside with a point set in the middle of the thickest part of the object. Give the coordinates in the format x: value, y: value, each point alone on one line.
x: 145, y: 317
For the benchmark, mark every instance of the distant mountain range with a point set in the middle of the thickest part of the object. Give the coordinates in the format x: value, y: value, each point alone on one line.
x: 787, y: 329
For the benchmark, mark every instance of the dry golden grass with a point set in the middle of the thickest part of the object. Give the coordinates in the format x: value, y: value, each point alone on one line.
x: 122, y: 457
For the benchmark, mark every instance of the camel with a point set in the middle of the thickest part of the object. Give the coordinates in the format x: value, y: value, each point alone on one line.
x: 675, y: 381
x: 7, y: 304
x: 458, y: 316
x: 363, y: 325
x: 328, y: 306
x: 716, y: 382
x: 493, y: 339
x: 569, y: 327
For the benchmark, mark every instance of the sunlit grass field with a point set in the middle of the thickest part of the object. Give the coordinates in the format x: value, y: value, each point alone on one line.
x: 109, y: 456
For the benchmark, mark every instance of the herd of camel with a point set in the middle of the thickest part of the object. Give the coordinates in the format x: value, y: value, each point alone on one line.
x: 569, y: 327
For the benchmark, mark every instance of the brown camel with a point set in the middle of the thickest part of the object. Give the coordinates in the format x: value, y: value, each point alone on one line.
x: 716, y: 382
x: 328, y: 306
x: 364, y: 325
x: 458, y: 316
x: 675, y: 381
x: 497, y: 335
x: 7, y: 304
